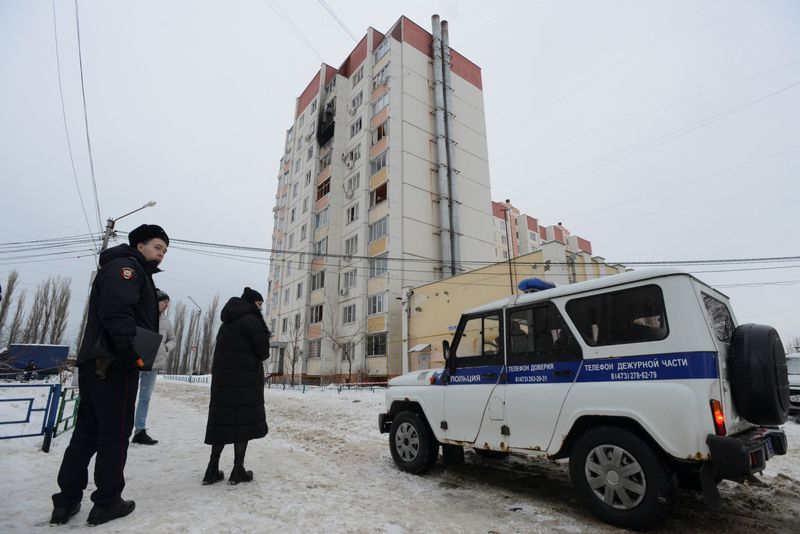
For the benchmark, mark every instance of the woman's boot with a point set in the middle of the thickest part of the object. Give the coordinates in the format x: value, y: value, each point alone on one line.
x: 213, y: 474
x: 239, y: 474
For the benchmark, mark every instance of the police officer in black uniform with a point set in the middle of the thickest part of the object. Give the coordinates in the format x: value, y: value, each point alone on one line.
x: 123, y: 297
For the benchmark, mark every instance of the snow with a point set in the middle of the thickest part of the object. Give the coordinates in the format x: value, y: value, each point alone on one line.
x: 324, y: 467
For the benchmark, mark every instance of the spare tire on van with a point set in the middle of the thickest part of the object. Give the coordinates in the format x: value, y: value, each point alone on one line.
x: 758, y: 374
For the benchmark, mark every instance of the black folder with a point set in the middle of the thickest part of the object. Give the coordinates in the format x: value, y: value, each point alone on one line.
x: 146, y: 344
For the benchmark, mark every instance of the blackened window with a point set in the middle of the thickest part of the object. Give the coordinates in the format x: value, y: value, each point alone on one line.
x: 720, y: 317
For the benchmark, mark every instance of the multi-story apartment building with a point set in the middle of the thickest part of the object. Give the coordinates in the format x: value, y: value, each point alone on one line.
x: 384, y: 185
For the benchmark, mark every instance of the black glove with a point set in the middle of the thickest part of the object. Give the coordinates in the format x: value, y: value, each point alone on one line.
x: 125, y: 354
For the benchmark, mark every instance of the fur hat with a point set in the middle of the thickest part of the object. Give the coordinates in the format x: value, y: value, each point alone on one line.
x: 145, y: 233
x: 251, y: 295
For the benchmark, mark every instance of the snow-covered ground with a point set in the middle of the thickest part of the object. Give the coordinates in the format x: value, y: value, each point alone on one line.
x: 324, y: 467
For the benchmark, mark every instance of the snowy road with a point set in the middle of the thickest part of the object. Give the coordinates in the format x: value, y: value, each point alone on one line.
x: 325, y: 468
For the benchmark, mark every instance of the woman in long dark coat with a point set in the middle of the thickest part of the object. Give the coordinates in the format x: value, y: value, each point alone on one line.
x: 236, y: 409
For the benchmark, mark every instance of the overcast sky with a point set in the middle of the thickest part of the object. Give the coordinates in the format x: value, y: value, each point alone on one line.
x: 658, y: 130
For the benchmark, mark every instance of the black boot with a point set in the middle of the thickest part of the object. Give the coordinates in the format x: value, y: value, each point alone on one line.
x: 239, y: 474
x: 142, y: 438
x: 213, y: 474
x: 103, y: 514
x: 61, y: 516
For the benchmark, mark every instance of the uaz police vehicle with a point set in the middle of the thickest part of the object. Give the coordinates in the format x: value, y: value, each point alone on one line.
x: 643, y: 380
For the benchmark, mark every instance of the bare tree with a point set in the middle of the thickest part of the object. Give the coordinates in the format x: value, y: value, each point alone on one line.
x: 179, y: 323
x: 59, y: 302
x: 297, y: 333
x: 208, y: 339
x: 5, y: 304
x: 343, y: 337
x: 15, y: 328
x: 187, y: 360
x: 34, y: 324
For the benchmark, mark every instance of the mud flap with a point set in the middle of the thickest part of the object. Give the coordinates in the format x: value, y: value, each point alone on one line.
x: 452, y: 454
x: 709, y: 486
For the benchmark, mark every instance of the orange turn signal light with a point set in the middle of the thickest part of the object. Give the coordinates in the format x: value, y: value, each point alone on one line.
x: 719, y: 417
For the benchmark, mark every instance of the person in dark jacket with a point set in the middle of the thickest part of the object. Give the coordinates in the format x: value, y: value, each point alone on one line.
x: 236, y: 409
x: 122, y: 298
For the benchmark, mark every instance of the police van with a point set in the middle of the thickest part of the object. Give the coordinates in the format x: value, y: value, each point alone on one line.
x: 643, y: 380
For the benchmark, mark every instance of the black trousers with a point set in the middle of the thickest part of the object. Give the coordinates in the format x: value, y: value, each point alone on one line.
x: 103, y: 426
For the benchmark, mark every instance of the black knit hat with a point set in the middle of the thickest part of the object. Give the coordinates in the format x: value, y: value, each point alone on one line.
x: 145, y: 233
x: 251, y: 295
x: 161, y: 295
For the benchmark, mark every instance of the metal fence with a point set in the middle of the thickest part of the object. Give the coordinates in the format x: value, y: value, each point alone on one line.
x: 67, y: 417
x: 191, y: 379
x: 30, y: 405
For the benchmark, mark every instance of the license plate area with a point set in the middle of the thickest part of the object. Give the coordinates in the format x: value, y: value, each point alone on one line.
x: 769, y: 448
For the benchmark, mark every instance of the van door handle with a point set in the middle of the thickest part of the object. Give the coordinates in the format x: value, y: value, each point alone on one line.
x: 563, y: 372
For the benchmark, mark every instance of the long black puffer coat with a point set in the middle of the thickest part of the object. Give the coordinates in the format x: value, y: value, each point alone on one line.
x: 236, y: 410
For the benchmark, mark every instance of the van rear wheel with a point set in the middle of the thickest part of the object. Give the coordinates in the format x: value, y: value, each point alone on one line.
x: 413, y: 446
x: 621, y: 479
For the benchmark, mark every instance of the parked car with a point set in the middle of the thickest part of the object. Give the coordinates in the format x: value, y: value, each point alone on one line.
x: 793, y: 366
x: 643, y: 380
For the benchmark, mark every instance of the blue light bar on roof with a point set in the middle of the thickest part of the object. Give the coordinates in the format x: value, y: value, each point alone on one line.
x: 532, y: 285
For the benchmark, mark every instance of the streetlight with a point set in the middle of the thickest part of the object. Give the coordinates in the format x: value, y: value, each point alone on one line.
x: 110, y: 224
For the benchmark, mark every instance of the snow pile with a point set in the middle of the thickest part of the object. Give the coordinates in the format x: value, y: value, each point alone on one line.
x: 324, y: 467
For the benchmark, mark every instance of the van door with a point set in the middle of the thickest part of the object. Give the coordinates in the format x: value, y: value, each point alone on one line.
x: 543, y: 358
x: 478, y: 359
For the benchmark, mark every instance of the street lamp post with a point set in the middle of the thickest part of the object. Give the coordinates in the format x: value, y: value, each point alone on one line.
x: 110, y: 224
x: 508, y: 245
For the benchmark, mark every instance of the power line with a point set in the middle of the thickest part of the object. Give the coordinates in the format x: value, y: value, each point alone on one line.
x: 282, y: 14
x: 339, y: 21
x: 64, y: 115
x: 86, y: 118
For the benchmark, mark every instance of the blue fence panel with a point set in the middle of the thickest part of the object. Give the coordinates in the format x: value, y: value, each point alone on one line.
x: 48, y: 411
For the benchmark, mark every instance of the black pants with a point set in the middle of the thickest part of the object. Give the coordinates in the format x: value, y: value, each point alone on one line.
x: 104, y: 424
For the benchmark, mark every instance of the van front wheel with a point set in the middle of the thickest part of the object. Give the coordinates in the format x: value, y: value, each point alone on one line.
x: 622, y: 480
x: 413, y: 446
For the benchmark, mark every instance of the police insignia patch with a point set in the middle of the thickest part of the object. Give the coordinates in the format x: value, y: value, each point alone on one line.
x: 127, y: 273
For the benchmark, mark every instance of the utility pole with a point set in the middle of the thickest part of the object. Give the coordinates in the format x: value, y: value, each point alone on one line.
x: 508, y: 245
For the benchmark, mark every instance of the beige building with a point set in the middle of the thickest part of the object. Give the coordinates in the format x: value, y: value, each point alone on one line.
x: 433, y: 310
x: 383, y: 186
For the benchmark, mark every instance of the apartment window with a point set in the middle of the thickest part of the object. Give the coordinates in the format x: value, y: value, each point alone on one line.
x: 351, y: 214
x: 313, y: 106
x: 357, y: 101
x: 293, y: 215
x: 314, y: 348
x: 299, y: 290
x: 302, y: 120
x: 381, y: 103
x: 378, y: 195
x: 289, y: 267
x: 272, y: 326
x: 297, y: 321
x: 382, y: 49
x: 355, y: 127
x: 286, y: 294
x: 299, y: 142
x: 350, y: 279
x: 275, y: 297
x: 376, y: 344
x: 379, y: 162
x: 352, y: 182
x: 330, y: 87
x: 324, y: 188
x: 284, y: 325
x: 303, y: 231
x: 310, y: 154
x: 317, y: 280
x: 348, y: 351
x: 316, y: 313
x: 380, y: 132
x: 378, y: 265
x: 321, y: 247
x: 305, y: 204
x: 294, y: 190
x: 379, y: 229
x: 358, y: 76
x: 503, y: 239
x: 376, y: 304
x: 321, y: 218
x: 351, y: 245
x: 349, y: 314
x: 354, y: 153
x: 291, y: 241
x: 505, y: 254
x: 326, y: 160
x: 308, y: 177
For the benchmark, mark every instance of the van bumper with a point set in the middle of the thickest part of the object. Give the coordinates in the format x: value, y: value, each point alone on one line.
x: 739, y: 456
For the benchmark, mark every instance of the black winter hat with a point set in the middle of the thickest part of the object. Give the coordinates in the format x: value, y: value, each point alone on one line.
x: 147, y: 232
x: 161, y: 295
x: 251, y: 295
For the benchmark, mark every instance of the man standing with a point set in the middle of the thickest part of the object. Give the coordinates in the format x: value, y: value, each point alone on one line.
x: 122, y: 298
x: 147, y: 379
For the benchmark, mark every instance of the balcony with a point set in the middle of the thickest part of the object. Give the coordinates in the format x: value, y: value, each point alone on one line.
x: 326, y: 123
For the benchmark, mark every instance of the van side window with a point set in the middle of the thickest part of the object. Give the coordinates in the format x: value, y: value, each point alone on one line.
x: 720, y: 317
x: 539, y: 333
x: 628, y: 316
x: 481, y: 338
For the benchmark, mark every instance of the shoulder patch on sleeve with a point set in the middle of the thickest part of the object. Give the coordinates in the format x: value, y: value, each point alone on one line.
x: 127, y: 273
